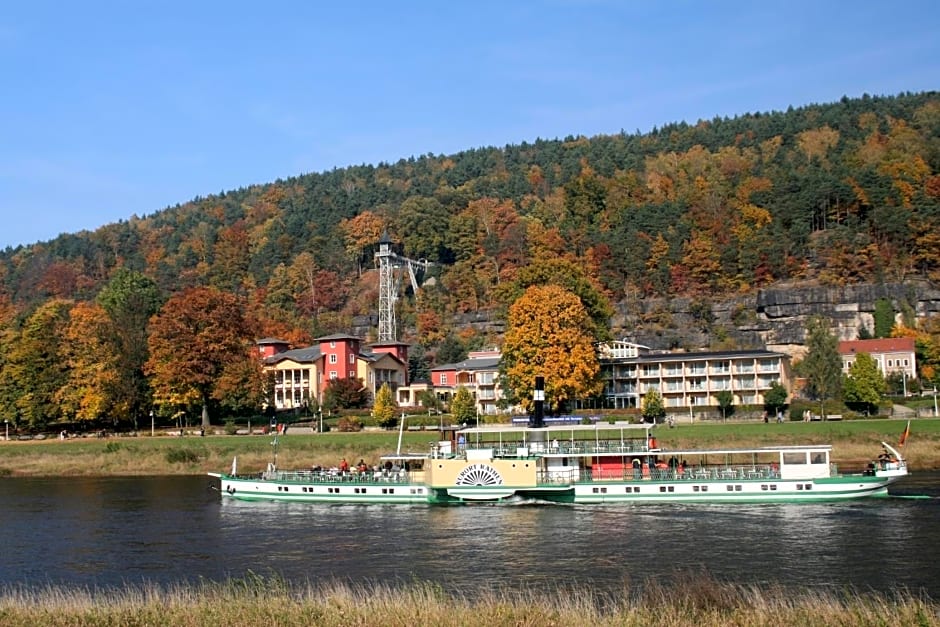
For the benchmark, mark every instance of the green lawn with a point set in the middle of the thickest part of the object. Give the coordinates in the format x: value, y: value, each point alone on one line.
x: 853, y: 440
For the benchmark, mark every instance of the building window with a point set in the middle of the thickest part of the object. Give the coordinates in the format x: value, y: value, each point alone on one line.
x: 443, y: 379
x: 333, y: 374
x: 333, y: 359
x: 332, y: 344
x: 352, y: 358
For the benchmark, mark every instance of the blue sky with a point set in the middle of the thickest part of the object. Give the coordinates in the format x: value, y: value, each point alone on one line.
x: 115, y: 109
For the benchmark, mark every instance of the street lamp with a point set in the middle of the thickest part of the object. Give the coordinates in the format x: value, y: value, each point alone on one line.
x: 935, y: 413
x: 6, y: 423
x: 152, y: 425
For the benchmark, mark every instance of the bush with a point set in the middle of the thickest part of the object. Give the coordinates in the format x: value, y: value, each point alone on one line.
x: 182, y: 456
x: 348, y: 424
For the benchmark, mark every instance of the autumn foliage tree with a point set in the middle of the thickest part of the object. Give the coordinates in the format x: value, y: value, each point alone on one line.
x: 92, y: 365
x: 385, y: 410
x: 9, y: 334
x: 360, y: 233
x: 463, y: 407
x: 653, y: 408
x: 571, y: 277
x: 550, y: 333
x: 345, y: 393
x: 33, y: 368
x: 244, y: 387
x: 195, y: 337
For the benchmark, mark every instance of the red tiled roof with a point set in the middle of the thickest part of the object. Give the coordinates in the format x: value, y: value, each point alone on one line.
x: 885, y: 345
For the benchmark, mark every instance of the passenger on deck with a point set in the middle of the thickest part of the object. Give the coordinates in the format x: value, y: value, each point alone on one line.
x: 361, y: 467
x: 884, y: 459
x: 636, y: 468
x: 344, y: 466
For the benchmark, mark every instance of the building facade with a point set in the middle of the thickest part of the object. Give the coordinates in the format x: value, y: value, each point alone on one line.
x: 301, y: 375
x: 690, y: 379
x: 629, y: 371
x: 894, y: 355
x: 479, y: 373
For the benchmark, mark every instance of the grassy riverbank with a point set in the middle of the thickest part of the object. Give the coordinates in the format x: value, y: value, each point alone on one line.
x: 696, y: 601
x: 855, y: 443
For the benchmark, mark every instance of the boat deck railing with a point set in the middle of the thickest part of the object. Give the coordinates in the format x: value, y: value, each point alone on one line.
x: 380, y: 477
x: 576, y: 448
x: 695, y: 473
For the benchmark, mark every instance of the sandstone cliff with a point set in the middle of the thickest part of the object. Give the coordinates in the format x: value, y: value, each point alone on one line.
x: 775, y: 318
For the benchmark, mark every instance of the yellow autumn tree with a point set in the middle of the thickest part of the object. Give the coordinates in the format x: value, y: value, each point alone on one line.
x: 360, y: 232
x: 702, y: 259
x: 91, y: 364
x: 549, y: 333
x: 657, y: 265
x: 385, y: 409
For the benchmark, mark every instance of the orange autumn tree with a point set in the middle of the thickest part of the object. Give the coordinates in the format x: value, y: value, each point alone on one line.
x: 199, y: 336
x: 360, y: 233
x: 549, y: 333
x: 91, y: 362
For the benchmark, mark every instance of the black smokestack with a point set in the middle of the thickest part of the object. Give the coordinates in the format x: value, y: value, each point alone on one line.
x: 538, y: 398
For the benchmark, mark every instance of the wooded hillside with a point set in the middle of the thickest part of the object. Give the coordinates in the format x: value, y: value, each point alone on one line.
x: 833, y: 193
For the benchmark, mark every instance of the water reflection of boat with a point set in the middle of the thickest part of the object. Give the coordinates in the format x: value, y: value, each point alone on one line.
x: 602, y: 463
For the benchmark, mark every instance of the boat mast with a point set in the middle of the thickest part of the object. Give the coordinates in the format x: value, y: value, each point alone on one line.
x: 274, y: 444
x: 401, y: 430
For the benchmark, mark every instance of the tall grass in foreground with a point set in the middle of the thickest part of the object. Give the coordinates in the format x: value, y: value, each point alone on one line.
x: 689, y: 600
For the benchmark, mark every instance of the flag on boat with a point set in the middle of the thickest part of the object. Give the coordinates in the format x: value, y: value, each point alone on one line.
x: 904, y: 436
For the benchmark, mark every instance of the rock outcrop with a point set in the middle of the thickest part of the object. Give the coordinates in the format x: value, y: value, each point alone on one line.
x: 775, y: 318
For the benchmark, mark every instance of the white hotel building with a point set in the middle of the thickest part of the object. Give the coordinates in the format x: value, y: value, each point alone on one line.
x: 689, y: 380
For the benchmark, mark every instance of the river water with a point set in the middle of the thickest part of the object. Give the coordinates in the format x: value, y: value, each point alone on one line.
x: 103, y: 532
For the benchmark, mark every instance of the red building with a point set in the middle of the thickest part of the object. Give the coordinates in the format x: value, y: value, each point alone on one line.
x: 302, y: 374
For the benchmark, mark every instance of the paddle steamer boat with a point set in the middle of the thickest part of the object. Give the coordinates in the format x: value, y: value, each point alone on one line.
x: 591, y: 464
